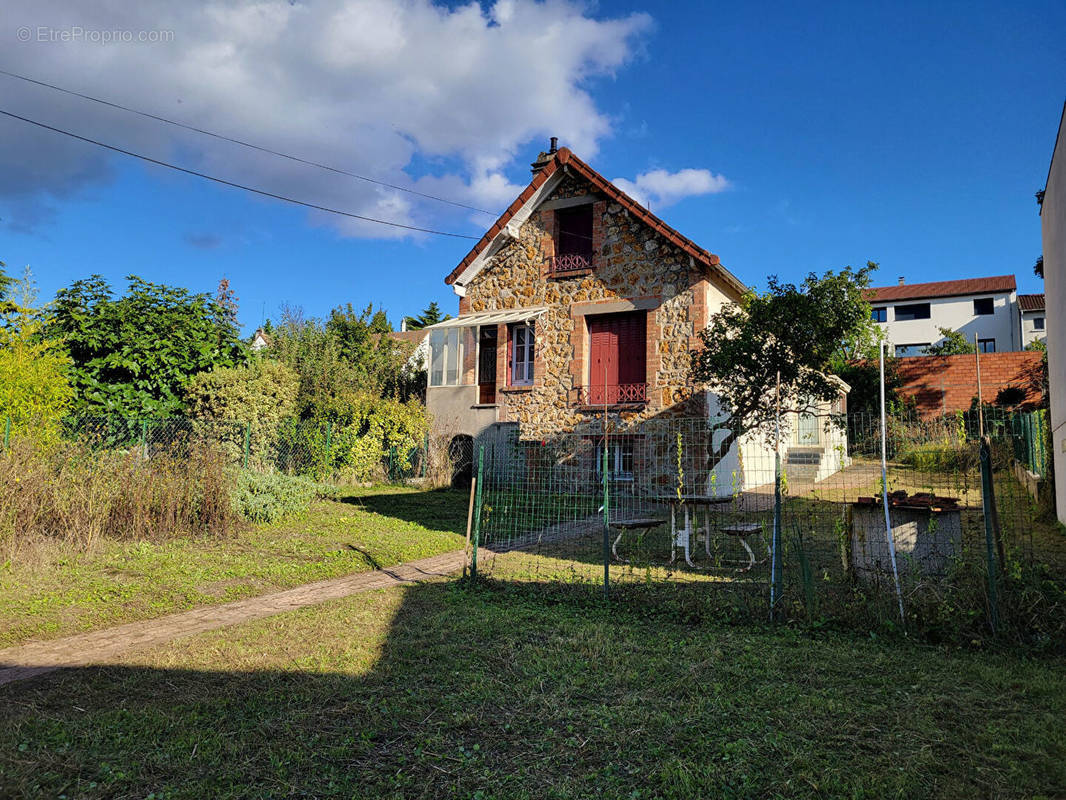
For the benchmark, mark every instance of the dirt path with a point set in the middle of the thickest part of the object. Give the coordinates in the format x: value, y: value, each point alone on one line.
x: 36, y: 658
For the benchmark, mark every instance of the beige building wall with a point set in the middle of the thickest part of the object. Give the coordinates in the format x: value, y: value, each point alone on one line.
x: 1053, y: 229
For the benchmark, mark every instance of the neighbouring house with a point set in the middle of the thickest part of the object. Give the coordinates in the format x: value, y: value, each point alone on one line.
x: 579, y: 303
x: 1033, y: 318
x: 1053, y: 232
x: 939, y: 385
x: 911, y: 314
x: 260, y: 340
x: 418, y: 359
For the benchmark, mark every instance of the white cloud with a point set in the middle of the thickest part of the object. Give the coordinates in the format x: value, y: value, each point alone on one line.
x: 379, y: 87
x: 660, y: 188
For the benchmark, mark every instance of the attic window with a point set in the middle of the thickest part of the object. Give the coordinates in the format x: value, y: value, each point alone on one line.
x: 573, y: 239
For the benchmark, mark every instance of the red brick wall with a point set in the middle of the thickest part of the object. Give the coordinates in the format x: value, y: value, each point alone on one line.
x: 941, y: 384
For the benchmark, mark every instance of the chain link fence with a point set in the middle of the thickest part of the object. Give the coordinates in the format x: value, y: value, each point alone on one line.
x: 324, y: 451
x: 796, y: 531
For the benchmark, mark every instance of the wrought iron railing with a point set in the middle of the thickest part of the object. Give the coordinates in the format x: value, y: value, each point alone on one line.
x: 611, y: 395
x: 569, y: 263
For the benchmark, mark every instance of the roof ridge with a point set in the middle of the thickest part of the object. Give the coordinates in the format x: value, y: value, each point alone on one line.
x: 563, y: 158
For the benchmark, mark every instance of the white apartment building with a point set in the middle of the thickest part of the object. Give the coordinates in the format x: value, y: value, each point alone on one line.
x: 911, y: 315
x: 1034, y: 320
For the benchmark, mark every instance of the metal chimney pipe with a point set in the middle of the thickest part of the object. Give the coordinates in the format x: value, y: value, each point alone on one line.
x: 554, y: 145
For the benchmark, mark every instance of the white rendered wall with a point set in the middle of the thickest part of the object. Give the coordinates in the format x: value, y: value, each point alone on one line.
x: 1053, y: 228
x: 957, y: 314
x: 1029, y: 333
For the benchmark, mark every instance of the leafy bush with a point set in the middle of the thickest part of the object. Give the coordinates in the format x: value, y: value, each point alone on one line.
x: 354, y: 441
x: 263, y: 497
x: 34, y: 391
x: 230, y: 403
x: 941, y: 457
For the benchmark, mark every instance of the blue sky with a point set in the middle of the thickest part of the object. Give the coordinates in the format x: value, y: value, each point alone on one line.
x: 911, y: 134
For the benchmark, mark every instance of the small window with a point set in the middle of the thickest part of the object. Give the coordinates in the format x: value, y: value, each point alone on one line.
x: 910, y: 349
x: 573, y: 230
x: 619, y: 459
x: 1038, y: 323
x: 914, y: 311
x: 986, y: 345
x: 522, y: 342
x: 983, y: 306
x: 879, y: 315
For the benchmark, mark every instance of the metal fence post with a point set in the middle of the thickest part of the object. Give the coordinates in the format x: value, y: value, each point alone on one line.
x: 144, y: 438
x: 606, y: 525
x: 247, y: 442
x: 477, y: 511
x: 329, y: 433
x: 990, y: 552
x: 7, y: 432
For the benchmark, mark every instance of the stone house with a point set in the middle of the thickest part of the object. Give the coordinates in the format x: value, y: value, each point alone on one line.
x: 579, y: 303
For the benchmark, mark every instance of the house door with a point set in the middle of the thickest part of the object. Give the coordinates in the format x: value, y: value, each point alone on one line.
x: 486, y: 365
x: 807, y: 430
x: 617, y: 357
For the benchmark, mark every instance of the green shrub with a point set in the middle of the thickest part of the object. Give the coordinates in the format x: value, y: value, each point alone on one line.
x: 941, y: 457
x: 261, y: 497
x: 230, y: 403
x: 34, y: 391
x: 353, y: 443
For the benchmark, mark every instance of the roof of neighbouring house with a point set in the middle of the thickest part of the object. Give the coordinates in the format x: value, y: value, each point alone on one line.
x: 916, y: 291
x: 1031, y: 302
x: 414, y: 336
x: 564, y: 159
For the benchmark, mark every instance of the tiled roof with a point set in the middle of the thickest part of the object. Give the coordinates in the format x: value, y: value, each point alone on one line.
x: 1031, y: 302
x: 914, y: 291
x: 563, y: 157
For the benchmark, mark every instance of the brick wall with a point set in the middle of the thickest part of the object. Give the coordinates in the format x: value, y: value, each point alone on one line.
x: 941, y: 384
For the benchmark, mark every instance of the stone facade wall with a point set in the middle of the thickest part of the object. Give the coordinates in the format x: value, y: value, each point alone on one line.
x: 634, y: 268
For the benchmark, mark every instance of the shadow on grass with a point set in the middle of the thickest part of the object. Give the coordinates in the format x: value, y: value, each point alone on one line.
x: 442, y: 690
x: 438, y: 509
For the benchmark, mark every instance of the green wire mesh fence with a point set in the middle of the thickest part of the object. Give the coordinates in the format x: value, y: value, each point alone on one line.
x: 321, y: 450
x: 621, y: 506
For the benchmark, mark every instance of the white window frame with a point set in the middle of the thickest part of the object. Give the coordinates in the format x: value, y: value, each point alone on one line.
x: 528, y: 348
x: 446, y: 356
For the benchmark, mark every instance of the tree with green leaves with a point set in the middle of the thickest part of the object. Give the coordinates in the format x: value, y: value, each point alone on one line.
x: 431, y: 316
x: 953, y: 343
x: 35, y: 391
x: 134, y: 355
x: 797, y: 332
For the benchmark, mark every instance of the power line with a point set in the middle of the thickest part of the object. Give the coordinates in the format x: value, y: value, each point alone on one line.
x: 224, y: 182
x: 246, y: 144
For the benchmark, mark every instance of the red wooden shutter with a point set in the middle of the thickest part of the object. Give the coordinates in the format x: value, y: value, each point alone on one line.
x: 617, y: 357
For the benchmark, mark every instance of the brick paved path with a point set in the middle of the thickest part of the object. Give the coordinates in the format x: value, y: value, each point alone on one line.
x: 35, y: 658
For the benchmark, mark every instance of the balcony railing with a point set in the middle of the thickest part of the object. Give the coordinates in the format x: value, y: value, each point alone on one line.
x: 616, y: 395
x: 569, y: 264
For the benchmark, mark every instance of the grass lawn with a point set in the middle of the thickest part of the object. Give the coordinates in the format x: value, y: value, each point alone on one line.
x: 58, y: 593
x: 435, y: 691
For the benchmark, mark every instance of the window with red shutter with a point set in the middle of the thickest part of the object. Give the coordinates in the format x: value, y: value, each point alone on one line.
x: 617, y: 359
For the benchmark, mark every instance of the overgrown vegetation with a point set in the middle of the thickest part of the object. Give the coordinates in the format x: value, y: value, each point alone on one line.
x: 70, y: 493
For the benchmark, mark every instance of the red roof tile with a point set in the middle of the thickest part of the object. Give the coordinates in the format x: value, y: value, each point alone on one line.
x: 1031, y: 302
x: 563, y: 157
x: 914, y: 291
